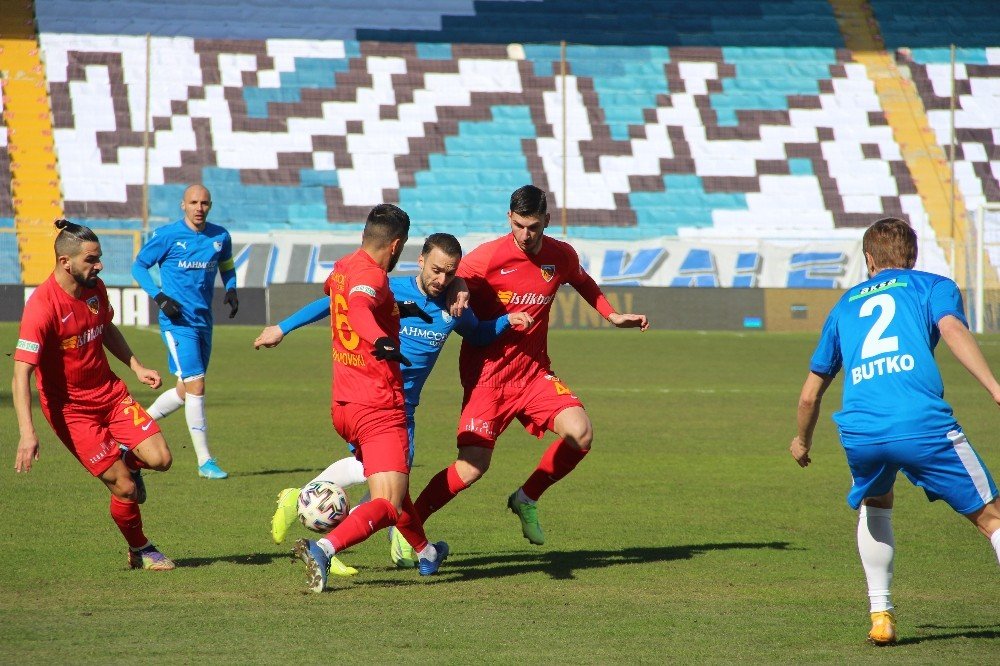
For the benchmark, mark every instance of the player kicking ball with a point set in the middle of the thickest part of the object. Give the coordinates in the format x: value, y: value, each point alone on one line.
x: 66, y: 326
x: 894, y: 417
x: 425, y: 326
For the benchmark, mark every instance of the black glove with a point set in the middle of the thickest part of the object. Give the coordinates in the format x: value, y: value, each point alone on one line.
x: 411, y: 309
x: 387, y: 350
x: 168, y: 306
x: 232, y: 302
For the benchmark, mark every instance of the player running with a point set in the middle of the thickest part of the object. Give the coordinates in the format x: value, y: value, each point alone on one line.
x: 66, y: 325
x: 894, y: 417
x: 512, y: 377
x: 189, y: 253
x: 367, y: 397
x: 422, y: 303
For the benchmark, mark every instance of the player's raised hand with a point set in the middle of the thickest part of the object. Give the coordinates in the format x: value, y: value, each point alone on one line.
x: 27, y: 452
x: 150, y: 378
x: 458, y: 297
x: 271, y: 336
x: 800, y: 451
x: 629, y: 321
x: 520, y: 320
x: 232, y: 302
x: 386, y: 350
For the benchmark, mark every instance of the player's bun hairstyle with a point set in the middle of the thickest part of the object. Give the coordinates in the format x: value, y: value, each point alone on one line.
x: 385, y: 224
x: 71, y: 237
x: 444, y: 242
x: 892, y: 243
x: 528, y: 201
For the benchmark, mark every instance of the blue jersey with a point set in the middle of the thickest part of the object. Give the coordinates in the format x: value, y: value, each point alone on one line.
x: 188, y: 261
x: 420, y: 341
x: 883, y: 332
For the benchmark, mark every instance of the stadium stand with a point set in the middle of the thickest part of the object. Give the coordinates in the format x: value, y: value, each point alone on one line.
x: 934, y: 24
x: 977, y: 113
x: 738, y: 118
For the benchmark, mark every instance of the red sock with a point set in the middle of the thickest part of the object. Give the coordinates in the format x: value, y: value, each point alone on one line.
x: 361, y: 523
x: 439, y: 491
x: 128, y: 519
x: 410, y: 525
x: 559, y: 460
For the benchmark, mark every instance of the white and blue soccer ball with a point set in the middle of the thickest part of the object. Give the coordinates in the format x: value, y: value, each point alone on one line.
x: 322, y: 505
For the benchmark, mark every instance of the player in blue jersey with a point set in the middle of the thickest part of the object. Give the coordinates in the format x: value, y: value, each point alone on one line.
x: 424, y: 327
x: 894, y: 418
x: 189, y: 253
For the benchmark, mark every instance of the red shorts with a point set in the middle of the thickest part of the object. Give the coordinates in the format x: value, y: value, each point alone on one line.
x: 93, y: 435
x: 488, y: 410
x: 378, y: 434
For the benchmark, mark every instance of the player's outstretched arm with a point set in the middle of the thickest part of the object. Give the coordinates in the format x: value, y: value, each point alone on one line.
x: 628, y: 321
x: 27, y: 445
x: 963, y: 345
x: 115, y: 343
x: 810, y: 400
x: 307, y: 314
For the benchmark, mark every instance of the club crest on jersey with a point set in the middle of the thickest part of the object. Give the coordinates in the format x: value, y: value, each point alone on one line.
x: 548, y: 272
x: 93, y: 305
x: 446, y: 316
x: 217, y: 245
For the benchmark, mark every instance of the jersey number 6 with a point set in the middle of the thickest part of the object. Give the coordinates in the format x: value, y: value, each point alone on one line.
x: 347, y: 336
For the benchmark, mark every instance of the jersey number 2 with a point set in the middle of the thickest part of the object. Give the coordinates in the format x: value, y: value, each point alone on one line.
x: 874, y: 343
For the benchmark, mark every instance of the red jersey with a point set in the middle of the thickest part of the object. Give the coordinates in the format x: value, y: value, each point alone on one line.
x: 63, y: 337
x: 502, y: 279
x: 362, y: 310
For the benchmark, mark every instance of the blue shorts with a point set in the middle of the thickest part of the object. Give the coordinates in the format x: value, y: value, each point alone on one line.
x: 947, y: 468
x: 188, y: 351
x: 410, y: 428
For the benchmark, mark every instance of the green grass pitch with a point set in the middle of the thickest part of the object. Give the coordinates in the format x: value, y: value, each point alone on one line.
x: 688, y: 534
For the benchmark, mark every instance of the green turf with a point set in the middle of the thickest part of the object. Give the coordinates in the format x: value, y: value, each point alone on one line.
x: 688, y: 535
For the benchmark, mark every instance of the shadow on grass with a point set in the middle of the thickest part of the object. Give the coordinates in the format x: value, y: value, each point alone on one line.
x: 564, y: 564
x: 252, y: 559
x: 271, y: 472
x: 990, y: 631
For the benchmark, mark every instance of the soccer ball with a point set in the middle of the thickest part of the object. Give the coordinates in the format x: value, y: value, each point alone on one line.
x: 322, y: 505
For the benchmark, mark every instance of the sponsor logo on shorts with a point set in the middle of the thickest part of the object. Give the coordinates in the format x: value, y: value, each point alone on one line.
x: 146, y: 427
x: 28, y: 345
x: 106, y: 448
x: 481, y: 427
x: 364, y: 289
x: 346, y: 358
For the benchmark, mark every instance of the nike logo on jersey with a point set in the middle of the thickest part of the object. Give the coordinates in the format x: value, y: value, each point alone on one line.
x: 146, y: 427
x: 505, y: 271
x: 67, y: 317
x: 183, y: 244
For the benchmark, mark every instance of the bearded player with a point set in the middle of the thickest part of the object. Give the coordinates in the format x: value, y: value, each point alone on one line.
x: 64, y: 330
x: 368, y: 406
x: 512, y: 377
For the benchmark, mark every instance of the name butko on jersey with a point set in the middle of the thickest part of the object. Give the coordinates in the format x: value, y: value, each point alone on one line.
x: 882, y: 333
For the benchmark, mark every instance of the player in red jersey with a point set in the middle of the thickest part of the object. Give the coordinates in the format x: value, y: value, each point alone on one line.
x: 512, y: 377
x: 367, y: 397
x: 65, y: 327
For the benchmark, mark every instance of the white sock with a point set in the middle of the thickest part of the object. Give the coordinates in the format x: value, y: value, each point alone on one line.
x: 346, y: 472
x: 194, y: 412
x: 877, y: 546
x: 521, y: 497
x: 165, y: 405
x: 995, y: 540
x: 428, y: 553
x: 327, y: 547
